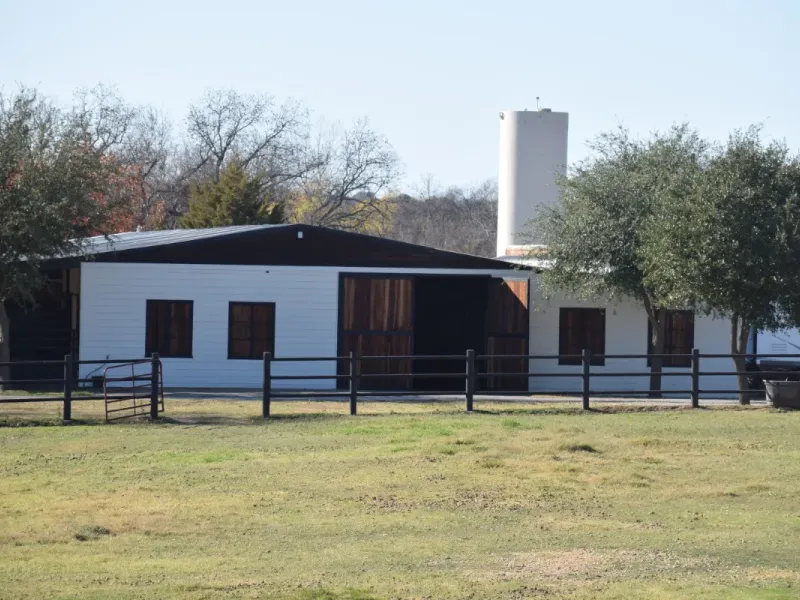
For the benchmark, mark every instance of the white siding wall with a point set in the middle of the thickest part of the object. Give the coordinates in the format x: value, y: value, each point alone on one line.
x: 626, y: 333
x: 113, y: 298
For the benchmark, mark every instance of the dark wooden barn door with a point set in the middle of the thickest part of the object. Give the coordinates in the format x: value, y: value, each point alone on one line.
x: 376, y: 320
x: 507, y: 333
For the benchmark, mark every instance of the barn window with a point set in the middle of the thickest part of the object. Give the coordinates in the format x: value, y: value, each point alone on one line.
x: 169, y: 328
x: 581, y: 328
x: 251, y: 329
x: 678, y: 338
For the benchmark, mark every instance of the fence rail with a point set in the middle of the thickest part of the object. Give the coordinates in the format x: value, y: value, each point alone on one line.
x: 472, y: 376
x: 477, y: 371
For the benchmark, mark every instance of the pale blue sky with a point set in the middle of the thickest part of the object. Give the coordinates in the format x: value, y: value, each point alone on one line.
x: 431, y: 75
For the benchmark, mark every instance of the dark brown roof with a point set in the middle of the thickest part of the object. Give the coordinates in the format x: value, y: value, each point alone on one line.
x: 301, y: 245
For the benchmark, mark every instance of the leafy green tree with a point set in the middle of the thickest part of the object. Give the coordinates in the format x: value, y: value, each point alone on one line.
x: 235, y: 199
x: 595, y: 236
x: 731, y: 246
x: 54, y: 190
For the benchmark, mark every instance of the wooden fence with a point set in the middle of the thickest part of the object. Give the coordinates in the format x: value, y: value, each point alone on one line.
x: 472, y: 374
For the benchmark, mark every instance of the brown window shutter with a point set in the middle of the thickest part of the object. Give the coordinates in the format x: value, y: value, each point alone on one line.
x: 563, y: 333
x: 598, y: 341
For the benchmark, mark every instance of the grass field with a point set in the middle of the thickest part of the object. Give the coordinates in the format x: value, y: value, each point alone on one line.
x: 403, y: 501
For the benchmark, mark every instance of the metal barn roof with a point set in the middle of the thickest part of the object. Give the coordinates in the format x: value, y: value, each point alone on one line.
x: 132, y: 240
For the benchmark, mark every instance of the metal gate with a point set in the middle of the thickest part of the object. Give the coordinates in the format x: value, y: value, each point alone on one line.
x: 128, y: 389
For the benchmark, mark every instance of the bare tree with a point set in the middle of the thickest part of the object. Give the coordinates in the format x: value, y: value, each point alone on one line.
x: 267, y: 138
x: 456, y: 219
x: 139, y: 140
x: 338, y: 179
x: 150, y: 153
x: 348, y: 185
x: 104, y: 117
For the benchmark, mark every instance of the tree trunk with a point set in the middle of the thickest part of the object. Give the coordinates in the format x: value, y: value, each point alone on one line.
x: 657, y: 318
x: 5, y: 346
x: 740, y: 333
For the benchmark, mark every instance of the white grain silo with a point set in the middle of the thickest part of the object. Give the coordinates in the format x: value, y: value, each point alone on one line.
x: 533, y: 155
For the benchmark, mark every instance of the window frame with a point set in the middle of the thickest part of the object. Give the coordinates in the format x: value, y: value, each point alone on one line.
x: 674, y: 360
x: 597, y: 358
x: 148, y: 350
x: 231, y: 305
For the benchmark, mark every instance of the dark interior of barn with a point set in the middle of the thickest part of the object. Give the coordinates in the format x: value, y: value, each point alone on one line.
x: 448, y: 320
x: 44, y: 328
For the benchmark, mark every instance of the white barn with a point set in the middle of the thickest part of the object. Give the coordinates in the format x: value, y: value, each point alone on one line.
x: 302, y: 291
x: 210, y: 302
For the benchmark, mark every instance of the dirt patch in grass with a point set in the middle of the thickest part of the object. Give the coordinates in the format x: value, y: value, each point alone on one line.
x: 483, y: 499
x: 769, y: 574
x: 326, y: 594
x: 385, y: 503
x: 582, y: 564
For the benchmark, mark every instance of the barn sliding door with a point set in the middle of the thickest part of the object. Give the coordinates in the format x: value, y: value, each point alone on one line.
x: 507, y: 333
x: 376, y: 320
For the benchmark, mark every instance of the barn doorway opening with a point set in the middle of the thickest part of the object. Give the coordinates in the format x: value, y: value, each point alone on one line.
x: 449, y: 319
x: 391, y: 318
x: 45, y: 330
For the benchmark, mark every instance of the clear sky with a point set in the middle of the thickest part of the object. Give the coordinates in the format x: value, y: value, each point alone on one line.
x: 431, y: 75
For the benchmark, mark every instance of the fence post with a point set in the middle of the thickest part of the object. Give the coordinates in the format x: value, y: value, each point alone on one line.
x: 353, y: 383
x: 586, y: 361
x: 68, y: 375
x: 155, y: 365
x: 266, y: 398
x: 695, y: 378
x: 470, y: 379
